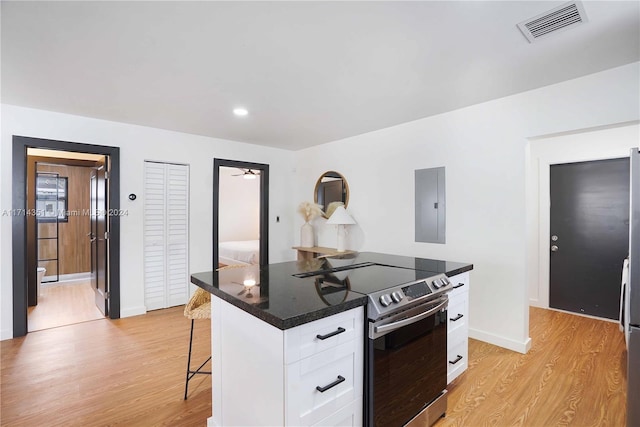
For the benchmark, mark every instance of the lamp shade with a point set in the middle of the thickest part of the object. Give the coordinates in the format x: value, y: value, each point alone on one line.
x: 340, y: 217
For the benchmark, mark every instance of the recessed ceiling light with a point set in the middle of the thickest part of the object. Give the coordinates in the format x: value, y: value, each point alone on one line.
x: 240, y: 111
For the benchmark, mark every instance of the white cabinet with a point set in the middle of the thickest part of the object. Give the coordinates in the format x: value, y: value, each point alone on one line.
x: 311, y: 374
x: 458, y: 327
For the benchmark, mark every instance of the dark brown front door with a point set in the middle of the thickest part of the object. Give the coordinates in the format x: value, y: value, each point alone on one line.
x: 99, y: 236
x: 589, y: 235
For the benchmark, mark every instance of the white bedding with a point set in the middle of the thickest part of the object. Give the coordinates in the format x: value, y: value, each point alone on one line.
x: 243, y: 251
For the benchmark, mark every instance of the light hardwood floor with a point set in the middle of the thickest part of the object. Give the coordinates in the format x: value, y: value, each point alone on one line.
x: 130, y: 372
x: 126, y: 372
x: 63, y: 303
x: 574, y: 375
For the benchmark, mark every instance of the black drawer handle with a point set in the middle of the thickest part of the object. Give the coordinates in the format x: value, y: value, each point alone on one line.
x: 457, y: 359
x: 331, y: 334
x: 458, y: 317
x: 459, y: 285
x: 333, y: 384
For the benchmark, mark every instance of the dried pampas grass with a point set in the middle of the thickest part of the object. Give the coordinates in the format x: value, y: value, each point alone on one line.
x: 309, y: 210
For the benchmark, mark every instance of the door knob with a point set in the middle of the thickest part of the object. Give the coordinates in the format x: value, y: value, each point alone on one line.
x: 554, y: 248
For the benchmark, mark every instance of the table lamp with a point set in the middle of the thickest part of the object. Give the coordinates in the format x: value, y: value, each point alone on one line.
x: 340, y: 217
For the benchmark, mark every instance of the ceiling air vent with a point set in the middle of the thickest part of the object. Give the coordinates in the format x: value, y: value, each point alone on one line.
x: 561, y: 18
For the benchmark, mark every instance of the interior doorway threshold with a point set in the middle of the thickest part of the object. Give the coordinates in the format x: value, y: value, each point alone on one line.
x: 69, y: 277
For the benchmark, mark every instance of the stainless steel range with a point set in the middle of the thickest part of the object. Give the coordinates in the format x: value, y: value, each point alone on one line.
x: 407, y: 350
x: 399, y: 298
x: 406, y: 357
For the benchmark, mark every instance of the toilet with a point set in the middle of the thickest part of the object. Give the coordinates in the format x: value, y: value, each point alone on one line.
x: 40, y: 274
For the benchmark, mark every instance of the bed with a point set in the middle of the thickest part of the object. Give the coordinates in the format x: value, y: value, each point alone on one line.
x: 239, y: 252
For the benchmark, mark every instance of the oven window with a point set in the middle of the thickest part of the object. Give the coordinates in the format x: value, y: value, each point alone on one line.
x: 409, y: 370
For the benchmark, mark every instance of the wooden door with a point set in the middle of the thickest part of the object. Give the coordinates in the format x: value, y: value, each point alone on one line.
x: 589, y: 235
x: 99, y: 236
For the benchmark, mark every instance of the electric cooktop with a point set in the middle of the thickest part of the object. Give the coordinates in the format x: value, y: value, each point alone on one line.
x: 367, y: 277
x: 389, y: 288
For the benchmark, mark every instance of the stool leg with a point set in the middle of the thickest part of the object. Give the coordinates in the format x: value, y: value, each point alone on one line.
x: 186, y: 385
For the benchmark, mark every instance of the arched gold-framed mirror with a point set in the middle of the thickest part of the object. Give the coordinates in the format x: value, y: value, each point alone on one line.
x: 331, y: 187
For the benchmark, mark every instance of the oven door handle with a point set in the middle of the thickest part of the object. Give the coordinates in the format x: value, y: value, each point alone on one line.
x: 404, y: 322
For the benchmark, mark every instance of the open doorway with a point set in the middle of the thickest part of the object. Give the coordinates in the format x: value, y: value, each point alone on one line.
x: 66, y: 192
x: 240, y: 213
x: 106, y: 289
x: 239, y: 217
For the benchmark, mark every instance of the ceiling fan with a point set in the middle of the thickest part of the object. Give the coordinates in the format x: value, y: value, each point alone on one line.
x: 248, y: 174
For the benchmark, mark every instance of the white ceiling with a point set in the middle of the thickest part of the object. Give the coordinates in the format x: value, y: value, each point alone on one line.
x: 308, y: 72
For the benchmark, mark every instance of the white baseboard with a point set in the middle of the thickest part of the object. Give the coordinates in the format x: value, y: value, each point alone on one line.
x: 536, y: 303
x: 133, y: 311
x: 521, y: 347
x: 211, y: 422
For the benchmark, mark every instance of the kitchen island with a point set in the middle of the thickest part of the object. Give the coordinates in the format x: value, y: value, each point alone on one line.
x: 288, y: 339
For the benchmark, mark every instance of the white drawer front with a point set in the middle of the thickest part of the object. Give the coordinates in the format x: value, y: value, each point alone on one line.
x: 302, y: 341
x: 457, y: 315
x: 460, y: 284
x: 457, y: 336
x: 457, y: 360
x: 305, y: 404
x: 350, y: 416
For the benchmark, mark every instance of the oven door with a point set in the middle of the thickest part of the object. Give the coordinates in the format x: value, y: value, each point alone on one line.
x: 407, y: 356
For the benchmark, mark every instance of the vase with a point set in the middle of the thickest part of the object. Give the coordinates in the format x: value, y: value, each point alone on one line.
x: 307, y: 239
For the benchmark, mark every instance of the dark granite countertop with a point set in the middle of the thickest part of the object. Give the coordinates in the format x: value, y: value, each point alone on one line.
x: 278, y: 295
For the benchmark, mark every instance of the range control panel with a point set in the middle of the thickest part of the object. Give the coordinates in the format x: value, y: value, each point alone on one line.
x: 395, y: 298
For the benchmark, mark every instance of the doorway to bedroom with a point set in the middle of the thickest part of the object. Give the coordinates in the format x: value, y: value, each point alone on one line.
x: 240, y: 213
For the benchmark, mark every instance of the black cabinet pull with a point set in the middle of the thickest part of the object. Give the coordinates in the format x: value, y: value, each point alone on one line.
x: 331, y: 334
x: 458, y: 317
x: 457, y: 359
x: 333, y: 384
x: 459, y: 285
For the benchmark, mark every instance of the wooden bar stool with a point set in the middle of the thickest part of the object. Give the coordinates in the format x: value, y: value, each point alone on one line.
x: 198, y: 307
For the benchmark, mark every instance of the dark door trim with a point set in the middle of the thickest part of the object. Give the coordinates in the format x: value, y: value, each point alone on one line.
x: 19, y: 221
x: 264, y: 205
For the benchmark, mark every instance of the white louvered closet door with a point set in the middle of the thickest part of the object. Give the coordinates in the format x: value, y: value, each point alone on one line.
x: 166, y: 234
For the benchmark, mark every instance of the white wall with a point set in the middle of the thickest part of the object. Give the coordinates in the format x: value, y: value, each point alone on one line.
x: 485, y: 151
x: 239, y: 212
x: 594, y: 144
x: 137, y: 144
